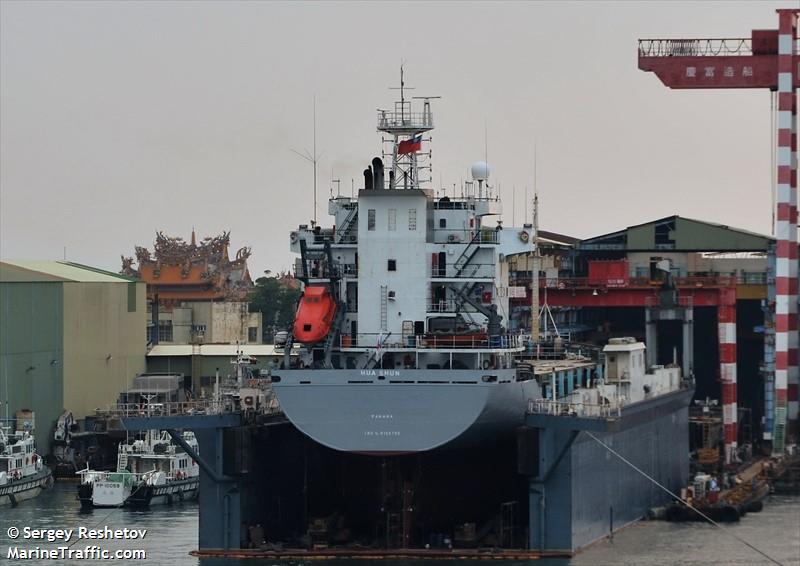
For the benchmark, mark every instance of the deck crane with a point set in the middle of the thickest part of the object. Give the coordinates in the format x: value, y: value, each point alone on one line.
x: 767, y: 59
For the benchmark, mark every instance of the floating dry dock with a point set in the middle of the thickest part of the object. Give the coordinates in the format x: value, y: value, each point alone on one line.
x: 567, y: 489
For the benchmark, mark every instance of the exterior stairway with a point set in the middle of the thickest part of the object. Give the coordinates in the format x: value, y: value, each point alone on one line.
x: 122, y: 461
x: 344, y: 231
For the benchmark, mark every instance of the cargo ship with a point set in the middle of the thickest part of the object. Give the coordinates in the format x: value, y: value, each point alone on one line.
x: 416, y: 419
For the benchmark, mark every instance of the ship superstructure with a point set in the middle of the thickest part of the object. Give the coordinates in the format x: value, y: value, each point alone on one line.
x: 404, y: 309
x: 415, y: 419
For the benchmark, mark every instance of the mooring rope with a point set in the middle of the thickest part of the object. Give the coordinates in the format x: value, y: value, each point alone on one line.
x: 695, y: 509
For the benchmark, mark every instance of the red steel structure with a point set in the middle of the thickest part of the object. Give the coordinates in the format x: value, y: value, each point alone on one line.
x: 768, y: 59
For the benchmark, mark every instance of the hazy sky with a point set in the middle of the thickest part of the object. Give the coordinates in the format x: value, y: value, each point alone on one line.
x: 120, y: 119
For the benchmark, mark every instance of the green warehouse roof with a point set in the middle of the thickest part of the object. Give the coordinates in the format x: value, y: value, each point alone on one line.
x: 24, y: 271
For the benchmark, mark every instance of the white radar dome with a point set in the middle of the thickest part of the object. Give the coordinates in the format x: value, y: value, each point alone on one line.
x: 480, y: 171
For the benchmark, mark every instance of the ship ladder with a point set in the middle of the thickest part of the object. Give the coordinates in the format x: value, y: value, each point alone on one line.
x: 343, y: 231
x: 468, y: 253
x: 122, y: 461
x: 338, y: 318
x: 779, y: 429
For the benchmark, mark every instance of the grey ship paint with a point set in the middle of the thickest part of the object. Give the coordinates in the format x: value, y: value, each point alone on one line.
x: 412, y: 423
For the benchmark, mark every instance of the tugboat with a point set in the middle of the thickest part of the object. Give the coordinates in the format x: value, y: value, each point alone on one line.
x: 23, y: 474
x: 150, y: 471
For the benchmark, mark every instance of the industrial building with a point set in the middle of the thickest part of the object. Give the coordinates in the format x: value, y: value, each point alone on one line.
x: 204, y: 322
x: 200, y: 363
x: 71, y: 337
x: 608, y: 286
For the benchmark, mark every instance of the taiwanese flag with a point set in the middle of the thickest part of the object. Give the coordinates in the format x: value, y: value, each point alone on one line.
x: 411, y: 145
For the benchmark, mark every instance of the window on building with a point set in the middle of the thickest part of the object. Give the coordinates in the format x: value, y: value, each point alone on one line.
x: 371, y: 219
x: 165, y: 331
x: 392, y: 219
x: 252, y: 334
x: 132, y: 297
x: 412, y: 219
x: 392, y: 265
x: 443, y: 223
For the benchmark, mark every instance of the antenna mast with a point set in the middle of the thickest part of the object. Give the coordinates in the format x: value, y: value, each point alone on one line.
x: 312, y: 158
x: 535, y: 271
x: 405, y: 130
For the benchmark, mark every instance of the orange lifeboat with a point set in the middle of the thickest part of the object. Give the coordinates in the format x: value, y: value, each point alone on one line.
x: 314, y: 315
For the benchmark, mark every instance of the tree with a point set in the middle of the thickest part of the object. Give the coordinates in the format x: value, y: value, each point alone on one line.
x: 276, y: 302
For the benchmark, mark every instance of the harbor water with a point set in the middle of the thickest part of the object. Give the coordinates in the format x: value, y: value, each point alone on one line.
x: 172, y: 534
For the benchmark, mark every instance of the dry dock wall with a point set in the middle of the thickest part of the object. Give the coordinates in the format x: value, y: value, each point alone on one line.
x: 590, y: 491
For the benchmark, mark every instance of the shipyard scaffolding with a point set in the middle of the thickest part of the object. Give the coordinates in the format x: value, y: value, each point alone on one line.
x: 767, y: 59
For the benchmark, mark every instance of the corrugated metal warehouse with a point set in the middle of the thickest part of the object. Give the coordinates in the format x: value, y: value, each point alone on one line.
x: 71, y: 337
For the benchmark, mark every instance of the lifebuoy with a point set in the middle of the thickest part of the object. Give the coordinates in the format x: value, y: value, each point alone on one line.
x: 524, y: 237
x: 293, y: 237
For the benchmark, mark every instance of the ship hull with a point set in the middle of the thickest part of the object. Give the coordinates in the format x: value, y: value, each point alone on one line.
x: 402, y: 411
x: 172, y: 492
x: 143, y: 496
x: 26, y: 488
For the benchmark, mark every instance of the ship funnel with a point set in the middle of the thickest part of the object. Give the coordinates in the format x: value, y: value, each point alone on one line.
x: 368, y: 179
x: 377, y: 170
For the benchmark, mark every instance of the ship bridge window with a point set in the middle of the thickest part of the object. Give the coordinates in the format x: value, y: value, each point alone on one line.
x: 443, y: 223
x: 392, y: 265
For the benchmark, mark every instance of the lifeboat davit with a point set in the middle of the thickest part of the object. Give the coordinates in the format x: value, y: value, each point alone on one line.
x: 315, y: 315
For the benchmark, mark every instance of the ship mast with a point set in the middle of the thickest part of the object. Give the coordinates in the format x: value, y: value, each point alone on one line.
x: 404, y: 128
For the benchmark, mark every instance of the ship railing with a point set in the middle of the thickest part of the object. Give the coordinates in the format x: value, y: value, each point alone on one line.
x: 187, y: 408
x: 695, y: 281
x: 407, y: 120
x: 444, y: 305
x: 572, y: 409
x: 457, y: 236
x: 473, y: 271
x: 462, y: 203
x: 173, y: 408
x: 555, y: 351
x: 477, y: 341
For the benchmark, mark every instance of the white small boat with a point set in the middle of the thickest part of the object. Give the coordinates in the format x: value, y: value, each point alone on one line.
x: 23, y: 474
x: 150, y: 471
